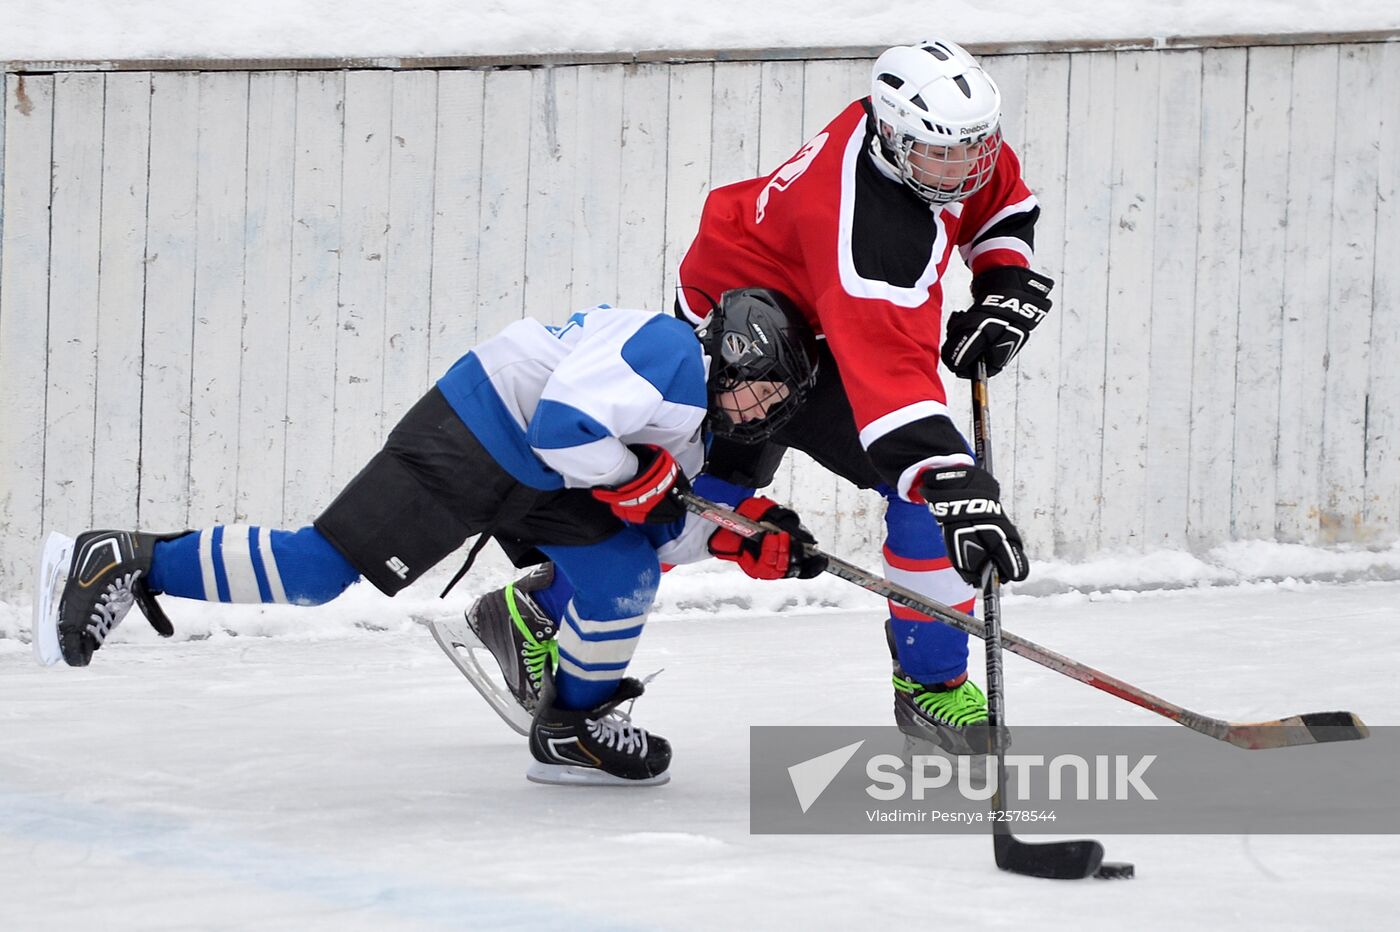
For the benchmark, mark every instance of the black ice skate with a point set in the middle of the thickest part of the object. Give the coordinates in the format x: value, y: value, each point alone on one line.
x: 941, y: 718
x: 944, y: 720
x: 949, y: 716
x: 105, y: 578
x: 598, y: 747
x: 517, y: 633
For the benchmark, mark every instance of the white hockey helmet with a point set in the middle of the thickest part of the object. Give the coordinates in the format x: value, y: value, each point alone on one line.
x: 938, y: 115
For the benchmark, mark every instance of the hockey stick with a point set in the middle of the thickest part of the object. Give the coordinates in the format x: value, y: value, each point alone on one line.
x: 1055, y: 860
x: 1310, y: 728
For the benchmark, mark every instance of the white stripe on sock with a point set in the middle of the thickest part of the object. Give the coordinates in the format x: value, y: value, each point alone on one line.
x: 589, y: 626
x: 596, y: 676
x: 274, y: 576
x: 238, y: 565
x: 206, y: 565
x: 944, y: 585
x: 615, y: 651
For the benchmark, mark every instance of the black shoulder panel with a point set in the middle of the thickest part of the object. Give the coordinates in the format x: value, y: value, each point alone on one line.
x: 892, y: 230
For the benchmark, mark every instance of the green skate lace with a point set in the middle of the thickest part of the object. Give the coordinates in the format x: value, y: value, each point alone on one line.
x: 535, y: 652
x: 959, y: 706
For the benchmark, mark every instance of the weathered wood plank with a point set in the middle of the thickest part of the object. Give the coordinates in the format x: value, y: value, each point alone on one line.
x: 641, y: 245
x: 1257, y: 353
x: 218, y: 295
x: 825, y: 93
x: 504, y: 196
x: 734, y: 143
x: 409, y: 243
x: 364, y: 227
x: 24, y: 312
x: 1307, y: 262
x: 1129, y: 325
x: 596, y: 196
x: 1352, y: 232
x: 1172, y: 284
x: 1083, y: 304
x: 1044, y: 149
x: 456, y: 216
x: 317, y: 199
x: 1209, y: 461
x: 554, y: 185
x: 168, y: 363
x: 780, y: 129
x: 75, y: 239
x: 267, y: 307
x: 688, y: 134
x: 1382, y: 502
x: 116, y: 449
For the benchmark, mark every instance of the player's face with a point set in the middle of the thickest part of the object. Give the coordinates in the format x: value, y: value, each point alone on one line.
x: 944, y: 168
x: 751, y: 401
x: 949, y: 173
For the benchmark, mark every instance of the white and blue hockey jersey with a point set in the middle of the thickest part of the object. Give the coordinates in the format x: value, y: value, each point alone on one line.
x: 557, y: 406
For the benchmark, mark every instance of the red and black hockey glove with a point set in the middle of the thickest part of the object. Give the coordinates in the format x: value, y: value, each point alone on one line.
x: 966, y: 500
x: 1007, y: 303
x: 646, y: 497
x: 772, y: 554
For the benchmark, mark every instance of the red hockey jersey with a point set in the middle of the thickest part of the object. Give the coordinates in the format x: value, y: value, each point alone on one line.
x: 863, y: 256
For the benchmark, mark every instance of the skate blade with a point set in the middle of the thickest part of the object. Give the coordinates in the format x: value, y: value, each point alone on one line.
x: 568, y: 775
x: 466, y: 651
x: 52, y: 576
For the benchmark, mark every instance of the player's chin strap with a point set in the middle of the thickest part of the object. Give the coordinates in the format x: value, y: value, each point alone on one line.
x: 1310, y: 728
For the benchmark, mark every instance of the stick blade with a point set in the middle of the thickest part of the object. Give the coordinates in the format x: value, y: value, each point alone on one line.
x: 1311, y: 728
x: 1054, y: 860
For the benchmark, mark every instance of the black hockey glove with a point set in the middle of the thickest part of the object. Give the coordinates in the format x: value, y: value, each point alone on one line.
x: 1007, y: 303
x: 646, y: 498
x: 772, y: 554
x: 966, y: 501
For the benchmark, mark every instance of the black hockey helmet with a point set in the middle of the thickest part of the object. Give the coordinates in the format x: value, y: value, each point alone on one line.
x: 757, y: 335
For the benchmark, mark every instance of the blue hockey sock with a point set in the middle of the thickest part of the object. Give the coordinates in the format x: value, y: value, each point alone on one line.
x: 552, y: 598
x: 602, y: 623
x: 573, y: 692
x: 238, y: 563
x: 928, y: 651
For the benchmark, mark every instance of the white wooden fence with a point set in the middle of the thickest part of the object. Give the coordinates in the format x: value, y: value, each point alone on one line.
x: 219, y: 290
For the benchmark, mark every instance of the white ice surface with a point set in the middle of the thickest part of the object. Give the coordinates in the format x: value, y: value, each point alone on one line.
x: 342, y: 778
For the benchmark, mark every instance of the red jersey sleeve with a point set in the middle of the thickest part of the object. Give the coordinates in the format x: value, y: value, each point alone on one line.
x: 997, y: 226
